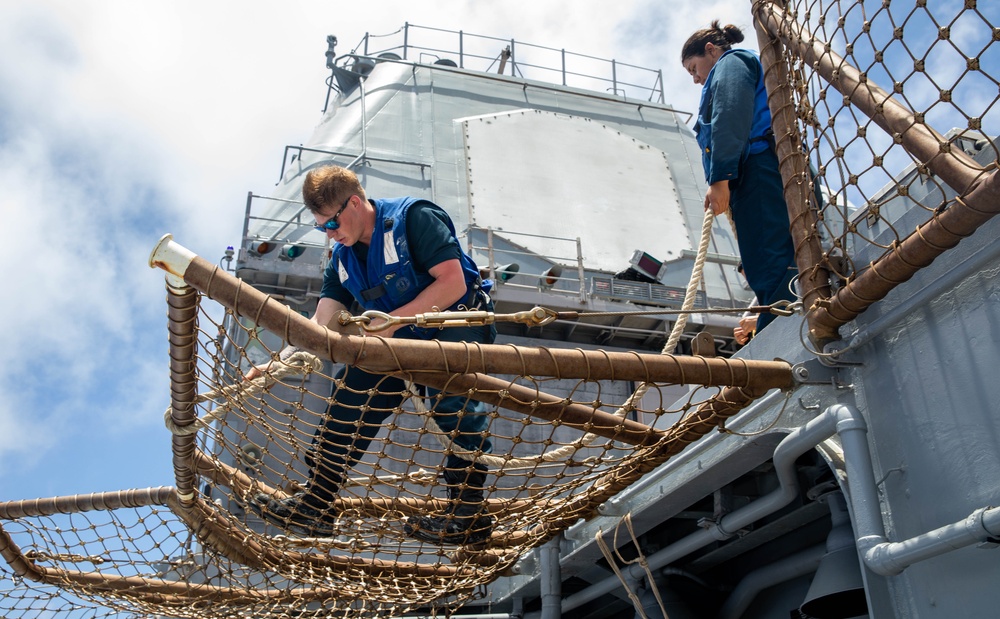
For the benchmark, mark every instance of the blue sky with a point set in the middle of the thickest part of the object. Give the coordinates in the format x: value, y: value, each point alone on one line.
x: 124, y: 120
x: 946, y: 62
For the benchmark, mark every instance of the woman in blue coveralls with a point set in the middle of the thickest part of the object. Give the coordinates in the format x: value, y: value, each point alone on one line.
x: 741, y: 166
x: 399, y: 256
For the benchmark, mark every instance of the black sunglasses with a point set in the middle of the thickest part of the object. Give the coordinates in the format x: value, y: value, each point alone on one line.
x: 334, y: 222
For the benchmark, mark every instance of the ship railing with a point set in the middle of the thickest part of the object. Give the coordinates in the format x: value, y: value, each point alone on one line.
x: 525, y: 60
x: 506, y: 259
x: 291, y: 222
x: 645, y: 293
x: 290, y: 225
x: 356, y: 159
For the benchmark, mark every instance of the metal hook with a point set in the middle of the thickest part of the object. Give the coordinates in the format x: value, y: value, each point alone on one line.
x: 365, y: 320
x: 785, y: 307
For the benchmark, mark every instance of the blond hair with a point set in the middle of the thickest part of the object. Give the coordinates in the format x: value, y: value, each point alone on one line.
x: 328, y: 186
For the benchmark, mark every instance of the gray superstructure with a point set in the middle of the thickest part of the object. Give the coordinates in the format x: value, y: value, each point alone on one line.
x: 483, y: 147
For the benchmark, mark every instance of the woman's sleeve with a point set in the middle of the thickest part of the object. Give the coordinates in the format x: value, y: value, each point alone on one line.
x: 733, y: 88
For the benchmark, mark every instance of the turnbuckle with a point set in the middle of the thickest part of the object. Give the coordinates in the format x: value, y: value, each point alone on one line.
x: 373, y: 321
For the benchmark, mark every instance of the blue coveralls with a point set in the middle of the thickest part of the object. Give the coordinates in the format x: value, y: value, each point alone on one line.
x: 734, y: 133
x: 385, y: 281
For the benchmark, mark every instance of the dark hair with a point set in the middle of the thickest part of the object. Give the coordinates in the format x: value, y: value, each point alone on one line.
x: 720, y: 36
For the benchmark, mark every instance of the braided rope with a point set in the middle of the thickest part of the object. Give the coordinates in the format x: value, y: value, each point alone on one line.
x: 298, y: 363
x: 565, y: 452
x: 693, y: 284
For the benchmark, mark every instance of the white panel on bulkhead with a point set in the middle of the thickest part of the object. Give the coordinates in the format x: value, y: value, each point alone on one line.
x: 537, y: 172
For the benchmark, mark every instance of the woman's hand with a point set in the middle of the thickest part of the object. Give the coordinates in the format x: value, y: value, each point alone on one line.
x: 717, y: 197
x: 746, y: 330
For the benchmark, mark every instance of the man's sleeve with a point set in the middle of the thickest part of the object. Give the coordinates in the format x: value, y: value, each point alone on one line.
x: 429, y: 237
x: 733, y: 88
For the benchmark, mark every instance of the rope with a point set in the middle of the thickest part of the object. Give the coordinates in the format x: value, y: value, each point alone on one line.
x: 566, y: 451
x: 421, y: 477
x: 298, y: 363
x: 611, y: 553
x: 695, y: 282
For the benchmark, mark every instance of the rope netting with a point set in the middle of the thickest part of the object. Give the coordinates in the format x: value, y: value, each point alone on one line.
x: 562, y: 445
x: 891, y: 108
x: 127, y: 554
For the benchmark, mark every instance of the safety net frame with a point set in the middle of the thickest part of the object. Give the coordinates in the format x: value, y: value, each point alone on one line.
x: 368, y: 564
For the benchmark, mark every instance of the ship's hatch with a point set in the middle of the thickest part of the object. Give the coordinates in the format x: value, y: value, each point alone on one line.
x: 622, y: 185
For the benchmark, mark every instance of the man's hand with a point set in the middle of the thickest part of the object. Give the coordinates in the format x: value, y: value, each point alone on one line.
x: 255, y: 371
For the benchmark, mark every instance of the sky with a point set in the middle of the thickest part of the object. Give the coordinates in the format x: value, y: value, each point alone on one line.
x: 123, y: 120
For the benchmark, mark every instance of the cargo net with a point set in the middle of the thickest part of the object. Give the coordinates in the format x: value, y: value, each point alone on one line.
x: 560, y: 447
x: 895, y: 106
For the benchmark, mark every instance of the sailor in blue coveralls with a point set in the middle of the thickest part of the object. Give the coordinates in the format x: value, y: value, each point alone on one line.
x: 398, y: 256
x: 741, y: 167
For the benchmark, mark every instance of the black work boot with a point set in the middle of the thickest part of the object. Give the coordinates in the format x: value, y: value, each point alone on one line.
x: 300, y: 513
x: 308, y: 512
x: 462, y: 522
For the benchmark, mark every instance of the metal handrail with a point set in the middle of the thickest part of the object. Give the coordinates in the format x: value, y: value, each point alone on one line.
x: 336, y: 153
x: 408, y: 47
x: 576, y: 261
